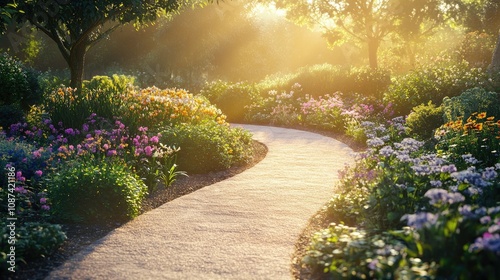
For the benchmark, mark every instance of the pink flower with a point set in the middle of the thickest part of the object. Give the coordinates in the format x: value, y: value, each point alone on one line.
x: 155, y: 139
x: 20, y: 190
x: 39, y: 173
x: 37, y: 154
x: 19, y: 176
x: 105, y: 146
x: 148, y: 150
x: 143, y: 129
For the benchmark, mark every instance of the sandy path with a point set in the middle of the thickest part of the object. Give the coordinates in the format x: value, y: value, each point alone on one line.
x: 242, y: 228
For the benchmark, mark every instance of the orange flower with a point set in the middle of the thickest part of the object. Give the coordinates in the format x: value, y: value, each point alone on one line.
x: 481, y: 115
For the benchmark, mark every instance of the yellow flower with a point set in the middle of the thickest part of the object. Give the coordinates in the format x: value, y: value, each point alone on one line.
x: 481, y: 115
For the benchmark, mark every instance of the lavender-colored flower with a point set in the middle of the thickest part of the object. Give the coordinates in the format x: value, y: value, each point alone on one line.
x: 497, y: 166
x: 386, y: 151
x: 490, y: 174
x: 111, y: 153
x: 485, y: 220
x: 20, y: 190
x: 468, y: 158
x: 448, y: 168
x: 45, y: 207
x: 420, y: 220
x: 466, y: 211
x: 43, y: 200
x: 39, y: 173
x: 436, y: 183
x: 440, y: 196
x: 494, y: 228
x: 155, y: 139
x: 470, y: 176
x: 488, y: 242
x: 85, y: 127
x: 70, y: 131
x: 375, y: 142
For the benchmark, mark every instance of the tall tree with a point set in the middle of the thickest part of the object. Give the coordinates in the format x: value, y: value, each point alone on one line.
x: 368, y: 22
x: 415, y: 21
x: 75, y: 26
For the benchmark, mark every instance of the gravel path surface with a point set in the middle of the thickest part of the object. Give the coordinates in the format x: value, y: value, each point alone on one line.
x: 242, y: 228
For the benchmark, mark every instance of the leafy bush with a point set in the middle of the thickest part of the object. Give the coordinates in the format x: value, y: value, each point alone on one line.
x: 470, y: 101
x: 18, y: 83
x: 424, y: 120
x: 104, y: 191
x: 432, y: 84
x: 10, y: 114
x: 326, y: 79
x: 231, y: 98
x: 101, y: 95
x: 478, y: 137
x: 209, y: 146
x: 33, y: 240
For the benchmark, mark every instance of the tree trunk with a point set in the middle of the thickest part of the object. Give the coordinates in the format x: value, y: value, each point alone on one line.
x: 372, y: 53
x: 76, y: 65
x: 495, y: 60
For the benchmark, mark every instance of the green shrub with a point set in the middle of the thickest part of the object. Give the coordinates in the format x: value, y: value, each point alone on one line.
x: 470, y: 101
x: 431, y: 84
x: 90, y: 191
x: 18, y: 84
x: 10, y: 114
x: 33, y: 240
x: 209, y: 146
x: 319, y: 80
x: 101, y: 95
x: 231, y: 98
x: 424, y: 120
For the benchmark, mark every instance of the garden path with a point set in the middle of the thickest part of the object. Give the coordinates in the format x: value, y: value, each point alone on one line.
x: 244, y: 227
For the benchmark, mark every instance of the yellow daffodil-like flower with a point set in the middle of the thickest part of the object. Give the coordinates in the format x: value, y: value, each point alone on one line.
x: 481, y: 115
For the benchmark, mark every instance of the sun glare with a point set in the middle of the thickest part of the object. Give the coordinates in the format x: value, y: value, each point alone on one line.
x: 266, y: 11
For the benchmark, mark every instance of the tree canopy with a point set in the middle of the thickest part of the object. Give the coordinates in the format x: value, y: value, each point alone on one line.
x: 75, y: 26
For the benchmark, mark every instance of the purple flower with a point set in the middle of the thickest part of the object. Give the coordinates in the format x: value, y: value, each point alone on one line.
x: 43, y: 200
x: 488, y: 242
x: 436, y: 183
x: 468, y: 158
x: 21, y: 190
x: 440, y: 196
x: 45, y: 207
x: 148, y: 151
x: 111, y: 153
x: 375, y: 142
x: 85, y: 127
x: 490, y: 174
x: 485, y: 220
x: 154, y: 139
x: 38, y: 173
x: 19, y: 176
x: 386, y: 151
x: 143, y: 129
x: 70, y: 131
x: 420, y: 220
x: 448, y: 168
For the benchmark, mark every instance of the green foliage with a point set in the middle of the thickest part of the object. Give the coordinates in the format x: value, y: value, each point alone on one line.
x: 345, y: 252
x: 33, y: 240
x: 432, y: 84
x: 101, y: 95
x: 479, y: 137
x: 424, y: 120
x: 209, y: 146
x: 470, y: 101
x: 10, y: 114
x: 104, y: 191
x: 326, y: 79
x: 18, y: 84
x: 231, y: 98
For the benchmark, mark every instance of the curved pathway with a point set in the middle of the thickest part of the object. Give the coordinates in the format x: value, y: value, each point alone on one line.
x: 242, y: 228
